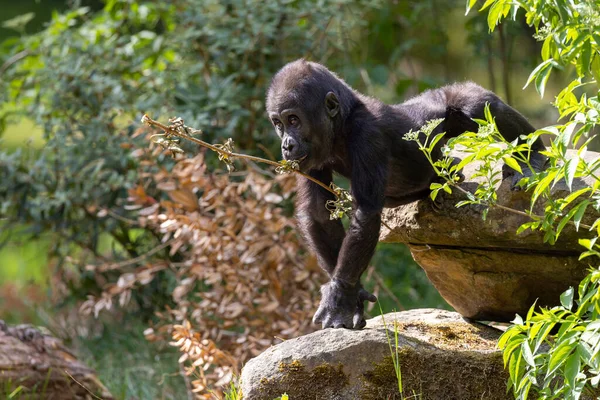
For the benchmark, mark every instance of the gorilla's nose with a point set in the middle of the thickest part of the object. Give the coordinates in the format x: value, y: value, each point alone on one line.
x: 287, y: 147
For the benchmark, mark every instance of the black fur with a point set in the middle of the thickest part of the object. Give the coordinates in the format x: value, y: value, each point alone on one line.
x: 333, y: 128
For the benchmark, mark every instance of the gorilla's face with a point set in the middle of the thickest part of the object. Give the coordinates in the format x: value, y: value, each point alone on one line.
x: 302, y: 109
x: 294, y: 130
x: 305, y: 139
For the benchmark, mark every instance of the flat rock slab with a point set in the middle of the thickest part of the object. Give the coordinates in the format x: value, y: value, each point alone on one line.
x: 483, y: 268
x: 441, y: 357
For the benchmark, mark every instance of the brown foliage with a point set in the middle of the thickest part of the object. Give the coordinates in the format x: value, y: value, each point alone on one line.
x: 245, y: 281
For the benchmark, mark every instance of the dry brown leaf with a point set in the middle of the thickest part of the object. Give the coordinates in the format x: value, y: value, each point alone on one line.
x: 185, y: 197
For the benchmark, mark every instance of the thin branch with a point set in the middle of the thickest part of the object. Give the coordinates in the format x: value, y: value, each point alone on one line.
x: 121, y: 218
x: 82, y: 385
x: 135, y: 260
x: 386, y: 225
x: 171, y: 131
x: 16, y: 58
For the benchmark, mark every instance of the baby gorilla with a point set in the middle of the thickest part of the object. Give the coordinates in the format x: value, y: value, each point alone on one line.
x: 329, y: 127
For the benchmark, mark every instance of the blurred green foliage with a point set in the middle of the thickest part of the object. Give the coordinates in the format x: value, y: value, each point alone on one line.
x: 131, y: 367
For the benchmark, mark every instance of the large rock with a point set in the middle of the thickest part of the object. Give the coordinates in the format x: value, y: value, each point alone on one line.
x: 441, y: 357
x: 483, y: 268
x: 43, y: 368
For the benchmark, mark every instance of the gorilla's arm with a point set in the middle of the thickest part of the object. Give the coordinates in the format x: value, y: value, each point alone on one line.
x: 342, y: 301
x: 324, y: 236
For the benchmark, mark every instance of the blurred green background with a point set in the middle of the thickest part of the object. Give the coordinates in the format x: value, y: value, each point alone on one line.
x: 391, y: 50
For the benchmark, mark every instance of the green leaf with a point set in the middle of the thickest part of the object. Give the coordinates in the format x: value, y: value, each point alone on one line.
x: 486, y: 4
x: 525, y: 226
x: 494, y: 15
x: 581, y: 207
x: 488, y: 114
x: 588, y: 254
x: 583, y: 63
x: 571, y: 169
x: 511, y: 162
x: 527, y: 354
x: 588, y: 243
x: 558, y: 357
x: 507, y: 337
x: 544, y: 333
x: 542, y: 186
x: 595, y: 67
x: 531, y: 312
x: 585, y: 352
x: 566, y: 133
x: 575, y: 47
x: 542, y: 79
x: 566, y: 298
x: 470, y: 4
x: 563, y: 11
x: 514, y: 365
x: 546, y: 47
x: 537, y: 70
x: 435, y: 140
x: 18, y: 23
x: 565, y: 220
x: 572, y: 368
x: 512, y: 344
x: 463, y: 162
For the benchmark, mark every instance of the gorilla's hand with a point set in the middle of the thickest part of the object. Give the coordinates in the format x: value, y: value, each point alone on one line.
x: 342, y: 305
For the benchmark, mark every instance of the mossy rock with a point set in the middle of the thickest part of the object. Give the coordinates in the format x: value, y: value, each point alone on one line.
x: 441, y: 356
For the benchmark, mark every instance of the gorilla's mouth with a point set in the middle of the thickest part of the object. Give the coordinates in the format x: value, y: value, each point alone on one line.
x: 297, y: 159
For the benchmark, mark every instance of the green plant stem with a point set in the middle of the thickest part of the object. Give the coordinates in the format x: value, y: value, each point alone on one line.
x: 512, y: 210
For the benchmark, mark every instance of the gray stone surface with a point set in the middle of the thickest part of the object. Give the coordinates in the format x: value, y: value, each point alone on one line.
x: 441, y: 357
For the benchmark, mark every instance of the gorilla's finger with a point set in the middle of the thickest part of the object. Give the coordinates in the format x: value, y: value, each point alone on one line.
x: 319, y: 315
x: 338, y: 325
x: 359, y: 321
x: 370, y: 297
x: 363, y: 295
x: 327, y: 323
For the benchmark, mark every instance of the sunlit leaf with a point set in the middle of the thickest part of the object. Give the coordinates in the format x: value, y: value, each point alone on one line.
x: 511, y: 162
x: 566, y: 298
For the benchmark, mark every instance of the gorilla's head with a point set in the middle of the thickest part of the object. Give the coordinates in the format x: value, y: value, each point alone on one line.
x: 305, y: 103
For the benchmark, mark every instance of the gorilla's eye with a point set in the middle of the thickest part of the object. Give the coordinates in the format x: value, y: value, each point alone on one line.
x: 293, y: 120
x: 278, y: 124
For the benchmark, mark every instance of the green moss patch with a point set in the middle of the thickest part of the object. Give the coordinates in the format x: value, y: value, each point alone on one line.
x: 300, y: 383
x: 434, y: 375
x: 451, y: 335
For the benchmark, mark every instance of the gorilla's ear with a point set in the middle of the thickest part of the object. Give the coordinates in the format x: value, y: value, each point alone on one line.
x: 332, y: 104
